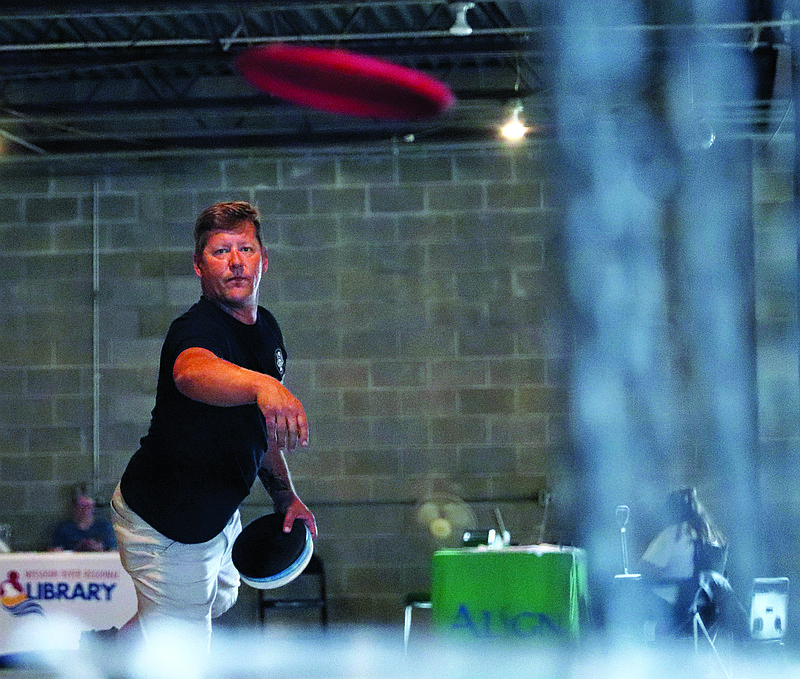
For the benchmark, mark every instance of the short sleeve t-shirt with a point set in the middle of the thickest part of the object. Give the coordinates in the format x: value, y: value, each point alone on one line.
x: 67, y: 535
x: 198, y: 462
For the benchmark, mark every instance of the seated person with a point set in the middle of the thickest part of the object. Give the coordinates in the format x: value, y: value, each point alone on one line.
x: 685, y: 565
x: 83, y: 532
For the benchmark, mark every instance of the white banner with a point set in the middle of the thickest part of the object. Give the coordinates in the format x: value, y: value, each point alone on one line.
x: 48, y: 598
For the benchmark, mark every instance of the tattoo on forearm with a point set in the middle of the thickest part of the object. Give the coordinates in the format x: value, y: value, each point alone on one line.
x: 273, y: 483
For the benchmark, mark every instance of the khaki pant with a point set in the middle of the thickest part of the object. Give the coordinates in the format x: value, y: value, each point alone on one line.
x: 176, y: 583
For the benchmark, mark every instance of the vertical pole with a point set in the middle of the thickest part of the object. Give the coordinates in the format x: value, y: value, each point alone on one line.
x: 95, y: 338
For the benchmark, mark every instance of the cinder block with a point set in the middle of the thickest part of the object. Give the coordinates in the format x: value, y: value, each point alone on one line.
x: 458, y: 372
x: 338, y: 201
x: 283, y: 201
x: 63, y: 439
x: 400, y: 199
x: 428, y: 402
x: 455, y: 197
x: 338, y: 434
x: 44, y: 209
x: 314, y: 232
x: 512, y: 371
x: 27, y: 470
x: 372, y: 462
x: 486, y: 401
x: 364, y: 403
x: 24, y: 411
x: 10, y: 211
x: 74, y: 469
x: 366, y: 168
x: 543, y: 399
x: 118, y: 207
x: 309, y: 288
x: 396, y: 431
x: 380, y: 343
x: 424, y: 168
x: 53, y: 380
x: 525, y: 429
x: 66, y: 237
x: 136, y: 352
x: 428, y: 342
x: 472, y: 460
x: 250, y: 172
x: 457, y: 256
x: 484, y: 165
x: 351, y: 374
x: 486, y: 341
x: 308, y: 170
x: 12, y: 501
x: 73, y: 410
x: 311, y: 344
x: 505, y: 196
x: 13, y: 441
x: 457, y: 430
x: 428, y: 227
x: 398, y: 373
x: 132, y: 408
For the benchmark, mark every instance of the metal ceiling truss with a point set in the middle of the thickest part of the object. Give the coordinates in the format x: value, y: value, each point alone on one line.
x: 106, y: 77
x: 115, y: 77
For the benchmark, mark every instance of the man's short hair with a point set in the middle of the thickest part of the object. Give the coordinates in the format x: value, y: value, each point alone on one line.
x: 225, y: 217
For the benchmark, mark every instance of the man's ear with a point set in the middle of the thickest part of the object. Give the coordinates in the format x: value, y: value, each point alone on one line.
x: 264, y: 260
x: 196, y: 262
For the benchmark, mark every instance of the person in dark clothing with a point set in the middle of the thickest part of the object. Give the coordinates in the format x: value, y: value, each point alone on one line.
x: 83, y: 531
x: 222, y: 418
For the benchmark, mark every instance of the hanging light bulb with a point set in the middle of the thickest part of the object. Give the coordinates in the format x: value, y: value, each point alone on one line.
x: 514, y: 129
x: 461, y: 25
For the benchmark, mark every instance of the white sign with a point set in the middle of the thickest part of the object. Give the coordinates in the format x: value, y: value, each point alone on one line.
x: 65, y: 592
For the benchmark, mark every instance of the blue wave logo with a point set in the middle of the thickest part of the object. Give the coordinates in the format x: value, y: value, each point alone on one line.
x: 25, y: 607
x: 14, y: 599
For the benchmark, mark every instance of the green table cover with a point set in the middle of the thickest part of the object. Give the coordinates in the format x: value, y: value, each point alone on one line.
x: 525, y: 592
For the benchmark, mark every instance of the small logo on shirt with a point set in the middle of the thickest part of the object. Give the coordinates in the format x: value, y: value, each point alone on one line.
x: 280, y: 364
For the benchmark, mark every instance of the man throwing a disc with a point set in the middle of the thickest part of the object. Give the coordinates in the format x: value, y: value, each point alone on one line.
x: 222, y: 417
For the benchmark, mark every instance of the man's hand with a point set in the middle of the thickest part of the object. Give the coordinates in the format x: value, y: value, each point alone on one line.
x: 284, y: 416
x: 297, y: 510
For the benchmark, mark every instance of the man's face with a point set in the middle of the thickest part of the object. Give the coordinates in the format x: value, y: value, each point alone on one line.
x: 84, y: 508
x: 230, y: 267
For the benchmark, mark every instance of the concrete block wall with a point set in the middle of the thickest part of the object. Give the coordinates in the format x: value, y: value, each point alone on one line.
x: 418, y: 290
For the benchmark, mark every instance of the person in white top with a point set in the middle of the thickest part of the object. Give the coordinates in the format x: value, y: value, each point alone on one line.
x: 688, y: 552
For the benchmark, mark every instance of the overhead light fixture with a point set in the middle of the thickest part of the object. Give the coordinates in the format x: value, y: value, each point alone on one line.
x: 461, y: 25
x: 514, y: 129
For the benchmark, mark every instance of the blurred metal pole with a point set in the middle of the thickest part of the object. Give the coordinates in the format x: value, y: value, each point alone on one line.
x: 663, y: 388
x: 619, y: 174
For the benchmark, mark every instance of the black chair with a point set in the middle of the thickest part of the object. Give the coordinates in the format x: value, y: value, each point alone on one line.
x: 307, y: 591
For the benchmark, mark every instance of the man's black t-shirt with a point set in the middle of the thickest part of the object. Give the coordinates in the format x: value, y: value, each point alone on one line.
x: 198, y: 462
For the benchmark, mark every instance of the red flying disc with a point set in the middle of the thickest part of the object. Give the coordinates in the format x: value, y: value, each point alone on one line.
x: 339, y: 81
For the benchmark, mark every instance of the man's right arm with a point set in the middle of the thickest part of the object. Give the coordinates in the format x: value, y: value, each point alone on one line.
x: 202, y: 376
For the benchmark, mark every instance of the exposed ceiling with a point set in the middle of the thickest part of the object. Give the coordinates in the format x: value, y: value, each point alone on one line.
x: 109, y: 77
x: 103, y: 77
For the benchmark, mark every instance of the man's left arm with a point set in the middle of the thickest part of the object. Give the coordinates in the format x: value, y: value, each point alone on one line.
x: 274, y: 474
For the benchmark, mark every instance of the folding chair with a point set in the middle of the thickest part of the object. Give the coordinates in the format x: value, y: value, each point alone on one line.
x: 412, y: 601
x: 295, y: 596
